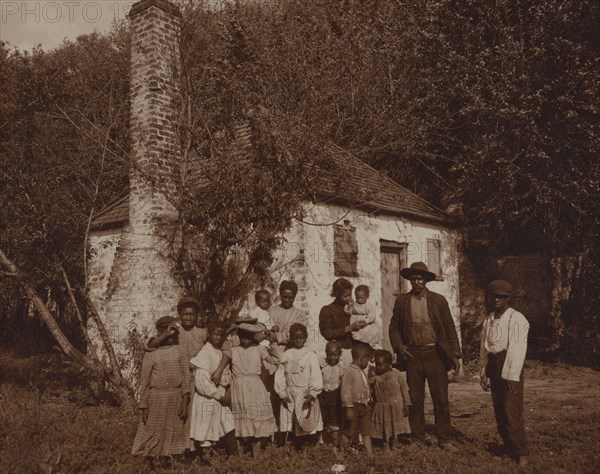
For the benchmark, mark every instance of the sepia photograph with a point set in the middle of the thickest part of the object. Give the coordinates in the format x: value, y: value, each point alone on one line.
x: 300, y: 236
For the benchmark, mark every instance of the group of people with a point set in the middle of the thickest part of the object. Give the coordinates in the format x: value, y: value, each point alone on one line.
x: 257, y: 379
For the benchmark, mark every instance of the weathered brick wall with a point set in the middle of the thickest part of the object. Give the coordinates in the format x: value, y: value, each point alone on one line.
x: 153, y: 93
x: 140, y: 287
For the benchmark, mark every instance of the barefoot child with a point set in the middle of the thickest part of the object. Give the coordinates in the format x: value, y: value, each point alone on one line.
x: 298, y: 377
x: 164, y: 396
x: 251, y: 404
x: 332, y: 370
x: 392, y: 401
x: 362, y: 310
x: 211, y: 417
x: 356, y: 400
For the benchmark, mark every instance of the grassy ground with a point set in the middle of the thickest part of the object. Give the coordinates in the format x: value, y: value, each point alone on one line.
x: 49, y: 428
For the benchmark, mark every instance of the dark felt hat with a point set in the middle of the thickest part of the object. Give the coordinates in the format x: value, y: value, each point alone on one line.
x: 165, y: 321
x: 417, y: 268
x: 187, y: 300
x: 500, y: 288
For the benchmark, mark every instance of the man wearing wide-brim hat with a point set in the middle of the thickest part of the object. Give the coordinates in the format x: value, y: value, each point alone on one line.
x: 423, y: 335
x: 501, y: 360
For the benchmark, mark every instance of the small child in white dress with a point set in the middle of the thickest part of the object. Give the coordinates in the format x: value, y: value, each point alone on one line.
x: 299, y: 377
x: 212, y: 419
x: 262, y: 299
x: 363, y: 310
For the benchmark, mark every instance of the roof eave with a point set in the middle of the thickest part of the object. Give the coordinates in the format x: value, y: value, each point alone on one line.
x: 447, y: 220
x: 110, y: 225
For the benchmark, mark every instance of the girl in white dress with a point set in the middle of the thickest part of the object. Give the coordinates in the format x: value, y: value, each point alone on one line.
x: 298, y: 375
x: 212, y: 419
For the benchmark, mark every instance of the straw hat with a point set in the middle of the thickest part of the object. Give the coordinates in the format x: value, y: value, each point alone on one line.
x: 252, y: 327
x: 307, y: 414
x: 245, y: 320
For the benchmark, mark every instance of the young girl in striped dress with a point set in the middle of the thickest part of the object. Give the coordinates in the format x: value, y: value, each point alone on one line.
x: 164, y: 397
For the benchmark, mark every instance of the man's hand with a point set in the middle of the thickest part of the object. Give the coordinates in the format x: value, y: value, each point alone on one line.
x: 183, y: 413
x: 456, y: 364
x: 350, y: 414
x: 144, y: 415
x: 512, y: 386
x: 404, y: 352
x: 285, y: 400
x: 484, y: 381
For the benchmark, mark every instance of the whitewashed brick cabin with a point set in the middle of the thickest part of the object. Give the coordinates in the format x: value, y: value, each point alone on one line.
x: 380, y: 226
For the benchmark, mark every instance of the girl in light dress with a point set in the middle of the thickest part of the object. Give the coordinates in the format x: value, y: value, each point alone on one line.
x: 392, y: 401
x: 211, y: 417
x: 298, y: 376
x: 251, y: 403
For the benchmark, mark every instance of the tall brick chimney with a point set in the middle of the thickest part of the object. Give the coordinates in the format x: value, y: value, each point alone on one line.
x: 153, y: 92
x: 141, y: 287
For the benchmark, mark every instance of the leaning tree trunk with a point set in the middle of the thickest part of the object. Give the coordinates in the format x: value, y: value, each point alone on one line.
x: 556, y: 321
x: 119, y: 385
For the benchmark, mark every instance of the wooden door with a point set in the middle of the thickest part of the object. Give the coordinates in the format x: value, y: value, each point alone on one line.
x: 393, y: 259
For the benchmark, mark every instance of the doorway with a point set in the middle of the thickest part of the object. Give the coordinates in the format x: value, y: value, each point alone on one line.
x: 393, y: 259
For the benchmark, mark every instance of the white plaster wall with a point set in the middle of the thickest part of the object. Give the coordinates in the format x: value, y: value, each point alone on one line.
x: 132, y: 286
x: 313, y: 239
x: 103, y: 246
x: 306, y: 257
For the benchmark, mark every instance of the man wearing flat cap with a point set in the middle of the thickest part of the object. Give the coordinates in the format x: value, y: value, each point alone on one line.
x: 501, y: 359
x: 423, y: 335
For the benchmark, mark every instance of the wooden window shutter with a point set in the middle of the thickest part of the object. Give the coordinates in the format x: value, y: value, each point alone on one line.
x: 346, y: 251
x: 434, y: 257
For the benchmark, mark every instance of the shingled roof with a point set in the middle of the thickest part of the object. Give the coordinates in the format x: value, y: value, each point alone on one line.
x: 366, y: 188
x: 363, y: 188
